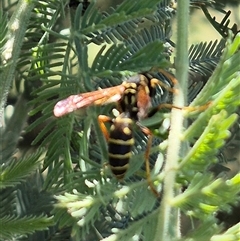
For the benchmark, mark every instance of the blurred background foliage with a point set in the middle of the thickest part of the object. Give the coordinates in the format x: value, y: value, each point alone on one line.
x: 54, y: 181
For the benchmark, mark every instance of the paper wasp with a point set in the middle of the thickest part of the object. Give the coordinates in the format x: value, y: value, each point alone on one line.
x: 133, y: 99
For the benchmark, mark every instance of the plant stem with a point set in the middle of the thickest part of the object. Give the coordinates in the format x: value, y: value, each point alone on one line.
x: 17, y: 29
x: 168, y: 218
x: 12, y: 131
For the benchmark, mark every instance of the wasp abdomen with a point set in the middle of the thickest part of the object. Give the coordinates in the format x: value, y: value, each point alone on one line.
x: 120, y: 145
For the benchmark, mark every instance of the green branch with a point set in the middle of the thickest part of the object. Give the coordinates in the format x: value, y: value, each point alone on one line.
x: 165, y: 211
x: 17, y: 29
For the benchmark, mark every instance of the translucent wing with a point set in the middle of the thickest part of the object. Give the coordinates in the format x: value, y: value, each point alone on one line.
x: 98, y: 97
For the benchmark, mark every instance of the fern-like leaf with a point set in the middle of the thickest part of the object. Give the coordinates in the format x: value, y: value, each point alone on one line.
x: 204, y: 57
x: 222, y: 27
x: 3, y: 30
x: 23, y: 226
x: 17, y: 170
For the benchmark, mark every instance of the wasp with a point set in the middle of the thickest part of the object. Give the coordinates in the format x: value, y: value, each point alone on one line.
x: 133, y: 99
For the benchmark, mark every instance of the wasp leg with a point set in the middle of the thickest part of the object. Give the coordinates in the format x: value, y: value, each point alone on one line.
x: 169, y: 76
x: 102, y: 119
x: 162, y: 106
x: 170, y: 106
x: 196, y: 108
x: 154, y: 82
x: 147, y: 132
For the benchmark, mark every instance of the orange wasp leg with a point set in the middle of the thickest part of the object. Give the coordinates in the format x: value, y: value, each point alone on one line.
x: 102, y: 119
x: 155, y: 82
x: 147, y: 132
x: 174, y: 81
x: 170, y: 106
x: 175, y: 91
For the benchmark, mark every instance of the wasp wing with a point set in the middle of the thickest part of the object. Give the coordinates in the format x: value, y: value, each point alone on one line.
x: 98, y: 97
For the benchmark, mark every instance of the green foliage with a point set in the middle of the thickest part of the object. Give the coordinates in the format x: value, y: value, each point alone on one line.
x: 64, y: 173
x: 17, y: 170
x: 15, y: 226
x: 3, y: 30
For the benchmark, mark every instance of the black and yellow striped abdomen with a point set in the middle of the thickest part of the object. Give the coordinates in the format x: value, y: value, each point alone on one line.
x: 120, y: 145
